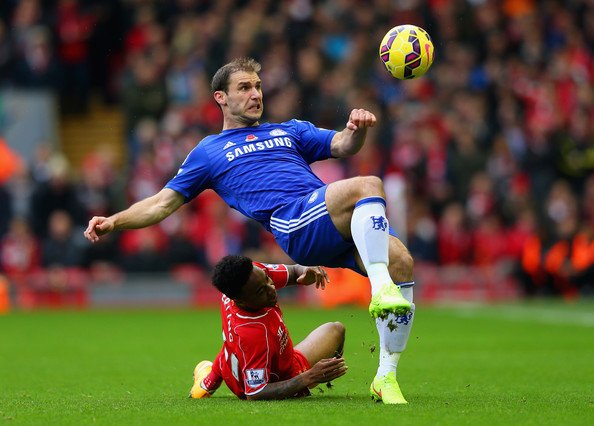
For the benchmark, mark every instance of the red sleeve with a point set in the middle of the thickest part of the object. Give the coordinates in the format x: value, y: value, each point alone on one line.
x: 278, y: 273
x: 255, y: 350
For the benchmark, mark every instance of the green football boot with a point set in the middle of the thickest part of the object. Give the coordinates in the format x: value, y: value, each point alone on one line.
x: 387, y: 301
x: 385, y: 389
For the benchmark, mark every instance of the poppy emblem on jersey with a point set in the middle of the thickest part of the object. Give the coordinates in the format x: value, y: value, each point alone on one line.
x: 277, y: 132
x: 250, y: 138
x: 255, y: 377
x: 228, y: 145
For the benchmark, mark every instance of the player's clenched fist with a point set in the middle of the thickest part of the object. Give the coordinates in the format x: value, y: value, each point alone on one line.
x: 360, y: 119
x: 98, y: 226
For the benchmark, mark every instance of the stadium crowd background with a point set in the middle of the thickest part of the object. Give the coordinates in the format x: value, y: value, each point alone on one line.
x: 495, y: 144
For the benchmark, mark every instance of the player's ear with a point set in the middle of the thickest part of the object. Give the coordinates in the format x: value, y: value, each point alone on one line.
x: 220, y: 97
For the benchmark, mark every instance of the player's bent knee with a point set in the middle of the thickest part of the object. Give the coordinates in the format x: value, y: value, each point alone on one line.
x: 338, y: 328
x: 337, y: 331
x: 369, y: 186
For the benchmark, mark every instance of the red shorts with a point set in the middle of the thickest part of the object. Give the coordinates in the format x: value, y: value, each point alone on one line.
x: 300, y: 364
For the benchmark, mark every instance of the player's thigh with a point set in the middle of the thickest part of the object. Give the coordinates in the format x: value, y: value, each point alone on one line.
x: 342, y: 195
x: 323, y: 342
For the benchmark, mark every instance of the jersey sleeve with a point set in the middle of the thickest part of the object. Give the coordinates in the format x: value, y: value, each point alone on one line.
x: 278, y: 273
x: 193, y: 176
x: 313, y: 142
x: 255, y: 349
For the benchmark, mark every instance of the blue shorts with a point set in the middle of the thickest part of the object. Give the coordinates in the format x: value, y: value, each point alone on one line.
x: 304, y: 230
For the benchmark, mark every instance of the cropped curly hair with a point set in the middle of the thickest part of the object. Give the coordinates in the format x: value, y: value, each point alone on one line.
x: 231, y: 273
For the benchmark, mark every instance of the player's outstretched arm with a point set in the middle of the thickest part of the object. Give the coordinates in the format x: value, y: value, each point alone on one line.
x: 349, y: 141
x: 323, y: 371
x: 144, y: 213
x: 307, y: 275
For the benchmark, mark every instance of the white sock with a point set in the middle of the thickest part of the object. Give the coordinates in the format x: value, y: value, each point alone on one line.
x: 393, y: 333
x: 369, y: 228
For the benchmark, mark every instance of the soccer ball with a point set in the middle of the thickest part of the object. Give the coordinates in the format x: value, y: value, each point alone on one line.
x: 406, y: 51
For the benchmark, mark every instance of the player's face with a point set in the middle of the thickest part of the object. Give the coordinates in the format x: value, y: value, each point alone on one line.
x: 244, y: 98
x: 259, y: 292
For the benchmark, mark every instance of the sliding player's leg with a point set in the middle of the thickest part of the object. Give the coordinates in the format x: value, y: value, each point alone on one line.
x: 207, y: 378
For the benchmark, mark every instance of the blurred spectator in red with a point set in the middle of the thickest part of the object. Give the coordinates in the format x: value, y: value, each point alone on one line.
x: 217, y: 229
x: 481, y: 199
x: 454, y: 241
x: 524, y: 226
x: 19, y: 249
x: 138, y: 37
x: 74, y: 28
x: 489, y: 241
x: 144, y: 250
x: 145, y: 177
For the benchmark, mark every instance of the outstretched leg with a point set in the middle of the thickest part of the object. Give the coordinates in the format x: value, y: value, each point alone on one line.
x: 358, y: 210
x: 394, y: 331
x: 386, y: 260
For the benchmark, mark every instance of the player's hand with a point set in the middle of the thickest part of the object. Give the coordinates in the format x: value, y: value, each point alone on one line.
x: 313, y: 275
x: 360, y: 119
x: 326, y: 370
x: 98, y: 226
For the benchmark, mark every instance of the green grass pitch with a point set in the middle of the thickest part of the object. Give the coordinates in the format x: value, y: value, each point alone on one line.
x: 528, y: 364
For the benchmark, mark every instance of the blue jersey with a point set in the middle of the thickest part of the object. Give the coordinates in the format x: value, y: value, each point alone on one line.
x: 256, y: 170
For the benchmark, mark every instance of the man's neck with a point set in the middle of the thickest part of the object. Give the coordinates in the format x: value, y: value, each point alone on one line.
x: 230, y: 125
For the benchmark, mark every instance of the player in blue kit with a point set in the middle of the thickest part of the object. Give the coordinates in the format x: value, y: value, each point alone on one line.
x: 262, y: 170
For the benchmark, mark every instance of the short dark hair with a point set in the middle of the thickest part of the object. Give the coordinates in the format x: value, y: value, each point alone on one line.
x: 220, y: 81
x: 231, y: 273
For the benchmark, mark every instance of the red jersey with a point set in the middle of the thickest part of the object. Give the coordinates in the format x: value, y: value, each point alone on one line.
x: 257, y: 348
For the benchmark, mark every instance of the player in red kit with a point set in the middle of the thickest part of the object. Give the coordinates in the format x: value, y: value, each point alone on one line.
x: 258, y: 359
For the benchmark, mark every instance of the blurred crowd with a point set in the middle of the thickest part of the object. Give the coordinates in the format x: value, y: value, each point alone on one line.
x: 495, y: 144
